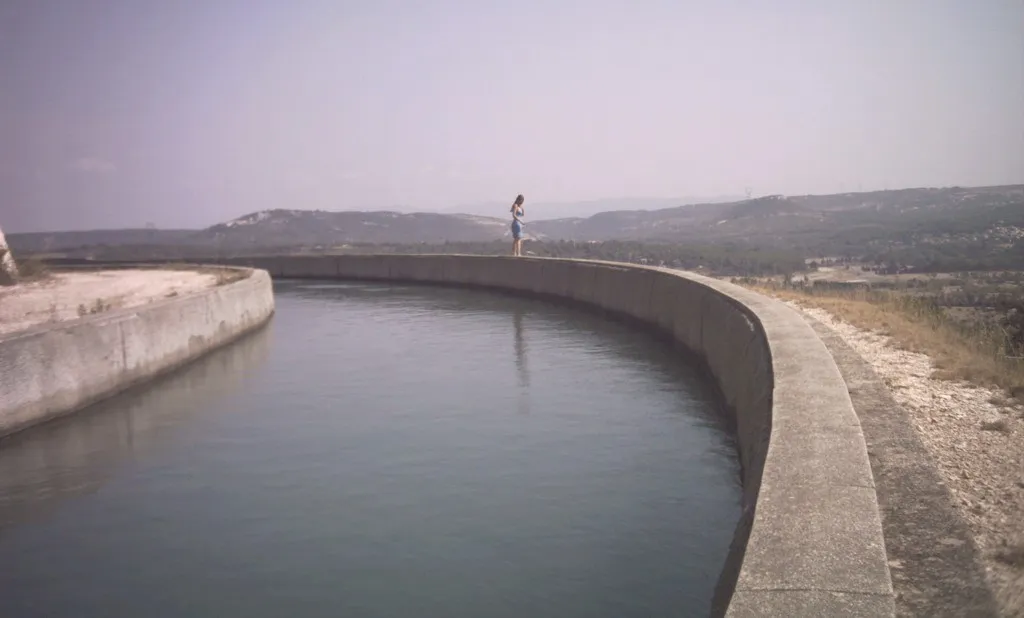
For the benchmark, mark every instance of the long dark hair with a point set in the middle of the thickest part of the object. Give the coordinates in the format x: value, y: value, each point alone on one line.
x: 519, y: 202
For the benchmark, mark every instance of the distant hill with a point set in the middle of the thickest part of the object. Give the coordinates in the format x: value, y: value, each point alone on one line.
x: 811, y: 222
x: 45, y: 242
x: 764, y: 207
x: 543, y: 211
x: 284, y: 228
x: 318, y: 227
x: 981, y: 218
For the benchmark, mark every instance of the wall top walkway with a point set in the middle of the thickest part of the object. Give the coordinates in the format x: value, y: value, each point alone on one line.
x: 809, y: 542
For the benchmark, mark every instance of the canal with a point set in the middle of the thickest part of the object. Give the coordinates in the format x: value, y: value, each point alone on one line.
x: 383, y: 451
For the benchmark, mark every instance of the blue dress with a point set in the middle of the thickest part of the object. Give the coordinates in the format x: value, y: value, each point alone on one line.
x: 517, y: 227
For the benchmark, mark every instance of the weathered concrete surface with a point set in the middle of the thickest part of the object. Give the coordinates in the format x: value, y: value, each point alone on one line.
x: 75, y: 459
x: 66, y: 296
x: 809, y: 542
x: 54, y: 369
x: 8, y: 269
x: 933, y: 559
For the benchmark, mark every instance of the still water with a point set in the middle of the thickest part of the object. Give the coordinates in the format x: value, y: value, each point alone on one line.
x: 383, y: 451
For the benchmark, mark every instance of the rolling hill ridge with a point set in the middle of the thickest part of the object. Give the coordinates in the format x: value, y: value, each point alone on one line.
x: 815, y: 224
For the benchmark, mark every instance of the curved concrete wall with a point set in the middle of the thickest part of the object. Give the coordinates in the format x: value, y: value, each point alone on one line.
x: 76, y: 459
x: 809, y: 542
x: 58, y: 368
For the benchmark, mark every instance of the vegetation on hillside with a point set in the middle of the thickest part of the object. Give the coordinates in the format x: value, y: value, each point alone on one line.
x: 920, y: 230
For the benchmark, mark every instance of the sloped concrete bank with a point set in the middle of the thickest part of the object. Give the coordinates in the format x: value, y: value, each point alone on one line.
x: 809, y: 542
x: 55, y: 369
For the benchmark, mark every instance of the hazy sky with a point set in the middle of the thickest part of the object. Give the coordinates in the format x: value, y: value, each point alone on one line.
x: 114, y: 113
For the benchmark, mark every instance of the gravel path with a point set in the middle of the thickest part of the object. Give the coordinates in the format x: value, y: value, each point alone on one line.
x: 67, y: 296
x: 974, y: 436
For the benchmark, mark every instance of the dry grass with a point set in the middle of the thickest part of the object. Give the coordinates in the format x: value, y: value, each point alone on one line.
x: 32, y: 269
x: 974, y: 355
x: 99, y: 306
x: 223, y: 276
x: 226, y: 276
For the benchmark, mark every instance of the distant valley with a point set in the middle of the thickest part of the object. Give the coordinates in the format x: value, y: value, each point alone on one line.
x: 929, y: 221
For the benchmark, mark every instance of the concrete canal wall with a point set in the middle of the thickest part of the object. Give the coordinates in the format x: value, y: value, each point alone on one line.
x: 809, y: 542
x: 54, y: 369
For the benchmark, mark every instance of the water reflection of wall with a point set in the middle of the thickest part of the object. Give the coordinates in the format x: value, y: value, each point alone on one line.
x: 518, y: 310
x: 75, y: 455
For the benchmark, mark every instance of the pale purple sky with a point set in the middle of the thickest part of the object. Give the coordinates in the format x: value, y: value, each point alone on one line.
x: 114, y: 113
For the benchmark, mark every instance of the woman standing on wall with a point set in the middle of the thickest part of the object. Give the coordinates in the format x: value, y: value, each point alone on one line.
x: 517, y: 225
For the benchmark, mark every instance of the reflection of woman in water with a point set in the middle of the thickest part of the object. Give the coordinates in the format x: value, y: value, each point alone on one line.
x: 524, y: 375
x: 517, y: 225
x: 517, y: 324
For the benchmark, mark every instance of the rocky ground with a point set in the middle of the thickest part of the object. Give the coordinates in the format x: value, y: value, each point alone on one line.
x: 976, y: 437
x: 68, y: 296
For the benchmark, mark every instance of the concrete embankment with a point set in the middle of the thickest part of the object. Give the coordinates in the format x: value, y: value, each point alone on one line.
x: 53, y: 369
x: 809, y: 542
x: 77, y: 458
